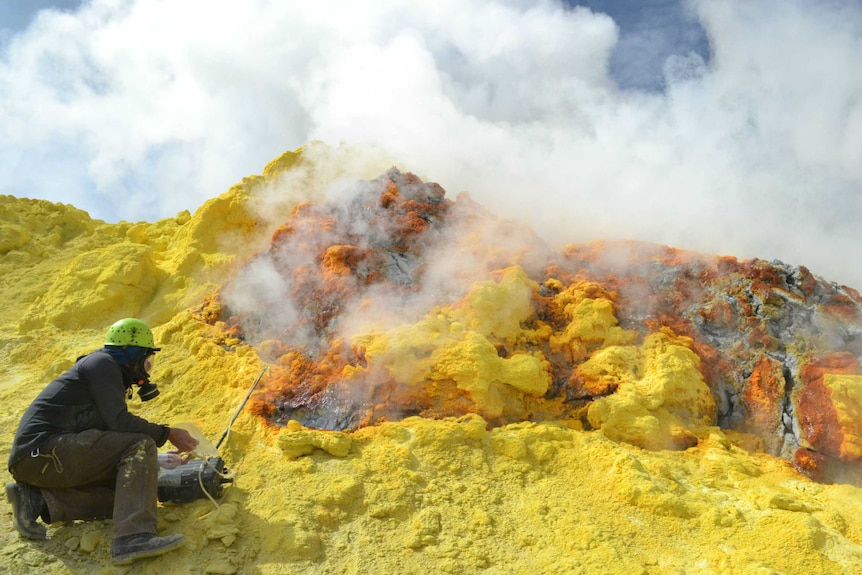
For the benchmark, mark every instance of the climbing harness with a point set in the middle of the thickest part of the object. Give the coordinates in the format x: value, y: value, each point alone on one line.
x: 51, y: 457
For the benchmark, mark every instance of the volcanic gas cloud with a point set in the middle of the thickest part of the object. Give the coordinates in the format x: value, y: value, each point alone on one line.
x: 396, y: 301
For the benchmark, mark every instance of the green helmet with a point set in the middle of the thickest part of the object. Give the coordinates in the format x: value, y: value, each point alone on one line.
x: 130, y: 331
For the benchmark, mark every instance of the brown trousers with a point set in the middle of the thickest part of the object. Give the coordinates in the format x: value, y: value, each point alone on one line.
x: 97, y: 475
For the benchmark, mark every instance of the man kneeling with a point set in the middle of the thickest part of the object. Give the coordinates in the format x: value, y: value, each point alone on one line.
x: 79, y: 454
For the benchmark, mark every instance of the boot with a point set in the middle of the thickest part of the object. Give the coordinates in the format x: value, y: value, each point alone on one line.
x: 142, y: 545
x: 27, y: 505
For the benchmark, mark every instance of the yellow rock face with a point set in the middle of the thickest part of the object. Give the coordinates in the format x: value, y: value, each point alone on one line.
x: 847, y: 399
x: 456, y: 345
x: 661, y: 401
x: 416, y: 496
x: 592, y: 324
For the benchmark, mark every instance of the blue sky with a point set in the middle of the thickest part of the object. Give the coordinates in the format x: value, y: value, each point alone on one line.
x: 714, y: 125
x: 650, y: 32
x: 17, y: 14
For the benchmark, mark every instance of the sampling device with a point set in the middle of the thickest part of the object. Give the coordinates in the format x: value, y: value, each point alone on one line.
x: 201, y: 478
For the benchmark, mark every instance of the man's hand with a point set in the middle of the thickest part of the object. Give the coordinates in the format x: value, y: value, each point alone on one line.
x: 182, y: 440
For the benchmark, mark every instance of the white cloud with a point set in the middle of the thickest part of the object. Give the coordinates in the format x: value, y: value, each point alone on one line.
x: 136, y: 110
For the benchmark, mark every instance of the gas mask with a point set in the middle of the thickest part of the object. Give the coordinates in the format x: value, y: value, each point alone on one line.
x: 147, y: 390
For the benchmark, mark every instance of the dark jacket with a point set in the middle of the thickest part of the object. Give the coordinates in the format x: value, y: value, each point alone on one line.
x: 89, y: 395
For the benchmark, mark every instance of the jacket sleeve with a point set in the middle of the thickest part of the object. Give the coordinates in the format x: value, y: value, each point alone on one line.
x: 104, y: 380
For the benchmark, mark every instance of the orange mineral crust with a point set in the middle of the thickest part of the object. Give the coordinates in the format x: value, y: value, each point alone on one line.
x: 396, y: 301
x: 762, y: 399
x: 829, y: 408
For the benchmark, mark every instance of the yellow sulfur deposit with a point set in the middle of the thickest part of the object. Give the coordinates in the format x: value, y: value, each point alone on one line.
x: 847, y: 398
x: 416, y: 496
x: 497, y: 309
x: 456, y: 345
x: 592, y: 323
x: 662, y: 400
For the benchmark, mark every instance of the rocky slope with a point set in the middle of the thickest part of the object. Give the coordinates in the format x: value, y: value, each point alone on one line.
x: 514, y: 332
x: 446, y: 394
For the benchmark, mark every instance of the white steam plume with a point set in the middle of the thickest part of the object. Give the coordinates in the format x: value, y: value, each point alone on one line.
x: 139, y: 109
